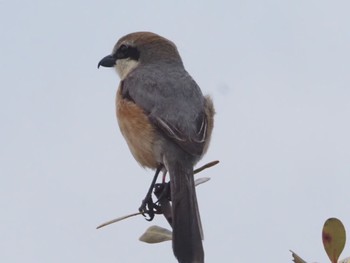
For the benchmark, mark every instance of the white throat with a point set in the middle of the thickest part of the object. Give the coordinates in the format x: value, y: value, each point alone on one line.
x: 125, y: 66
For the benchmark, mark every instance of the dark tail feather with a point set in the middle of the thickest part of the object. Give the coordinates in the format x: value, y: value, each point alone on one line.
x: 187, y: 229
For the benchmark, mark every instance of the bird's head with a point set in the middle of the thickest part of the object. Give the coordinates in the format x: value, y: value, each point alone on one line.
x: 140, y: 48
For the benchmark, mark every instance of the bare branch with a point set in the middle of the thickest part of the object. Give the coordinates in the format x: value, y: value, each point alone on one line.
x: 165, y: 204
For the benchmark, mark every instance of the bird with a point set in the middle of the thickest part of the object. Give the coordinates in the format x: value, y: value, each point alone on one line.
x: 167, y: 123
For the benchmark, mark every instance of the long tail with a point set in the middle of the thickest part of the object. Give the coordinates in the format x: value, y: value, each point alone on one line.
x: 187, y: 229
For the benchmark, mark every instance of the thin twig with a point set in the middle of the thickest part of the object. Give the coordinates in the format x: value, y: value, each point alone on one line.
x: 165, y: 203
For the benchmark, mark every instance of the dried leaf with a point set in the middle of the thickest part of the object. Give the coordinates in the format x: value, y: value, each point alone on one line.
x: 156, y: 234
x: 333, y: 237
x: 206, y: 166
x: 345, y: 260
x: 201, y: 180
x: 118, y: 219
x: 296, y: 258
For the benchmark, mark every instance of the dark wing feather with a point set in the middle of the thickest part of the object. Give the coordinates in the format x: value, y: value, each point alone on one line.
x: 193, y: 145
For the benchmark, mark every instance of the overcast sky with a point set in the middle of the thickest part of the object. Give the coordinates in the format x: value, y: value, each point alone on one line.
x: 278, y: 72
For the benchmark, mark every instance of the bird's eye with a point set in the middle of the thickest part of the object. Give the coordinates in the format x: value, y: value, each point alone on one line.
x: 127, y: 51
x: 123, y: 48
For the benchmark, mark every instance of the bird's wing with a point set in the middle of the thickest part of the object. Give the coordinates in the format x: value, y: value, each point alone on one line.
x: 173, y: 102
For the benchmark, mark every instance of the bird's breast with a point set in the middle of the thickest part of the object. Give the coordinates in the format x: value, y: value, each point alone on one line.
x: 137, y: 130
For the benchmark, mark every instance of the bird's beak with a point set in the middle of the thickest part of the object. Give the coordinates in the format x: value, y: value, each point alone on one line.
x: 107, y: 61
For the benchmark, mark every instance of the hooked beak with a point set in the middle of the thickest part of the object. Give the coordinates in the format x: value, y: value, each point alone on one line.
x: 107, y: 61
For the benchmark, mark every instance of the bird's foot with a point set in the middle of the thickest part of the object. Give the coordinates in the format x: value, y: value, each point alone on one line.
x: 149, y: 208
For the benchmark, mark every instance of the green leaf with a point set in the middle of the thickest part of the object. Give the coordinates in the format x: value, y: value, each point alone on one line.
x: 333, y: 237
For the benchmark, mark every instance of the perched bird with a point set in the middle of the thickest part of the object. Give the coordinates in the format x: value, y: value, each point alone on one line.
x: 167, y: 124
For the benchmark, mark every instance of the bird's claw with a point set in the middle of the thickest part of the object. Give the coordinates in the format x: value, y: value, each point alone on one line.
x: 148, y: 209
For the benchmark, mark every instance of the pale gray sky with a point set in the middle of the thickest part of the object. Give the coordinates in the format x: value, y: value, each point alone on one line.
x: 278, y: 72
